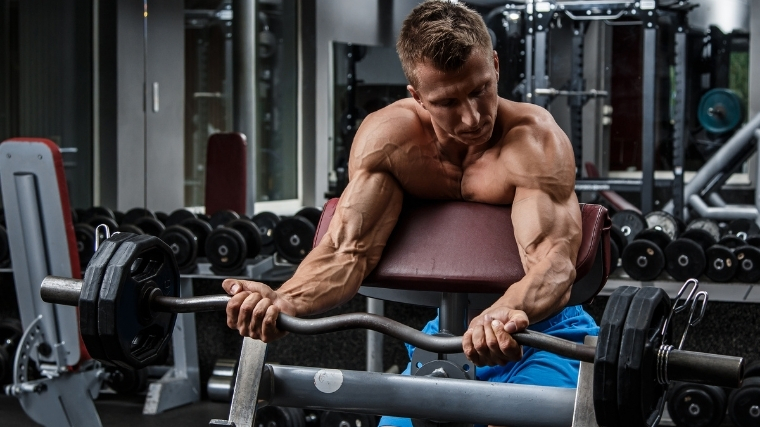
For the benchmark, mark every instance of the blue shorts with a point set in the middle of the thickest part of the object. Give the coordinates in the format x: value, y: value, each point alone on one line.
x: 537, y: 367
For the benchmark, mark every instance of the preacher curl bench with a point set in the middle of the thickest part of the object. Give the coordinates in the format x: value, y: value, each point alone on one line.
x: 453, y: 255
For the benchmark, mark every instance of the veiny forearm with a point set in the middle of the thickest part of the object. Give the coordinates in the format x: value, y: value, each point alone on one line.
x: 544, y: 290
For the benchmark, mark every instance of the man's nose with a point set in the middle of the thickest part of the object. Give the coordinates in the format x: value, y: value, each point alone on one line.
x: 470, y: 114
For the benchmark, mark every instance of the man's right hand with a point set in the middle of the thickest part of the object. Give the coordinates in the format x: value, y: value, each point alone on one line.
x: 253, y: 309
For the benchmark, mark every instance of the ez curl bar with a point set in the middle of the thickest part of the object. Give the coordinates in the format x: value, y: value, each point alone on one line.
x: 128, y: 302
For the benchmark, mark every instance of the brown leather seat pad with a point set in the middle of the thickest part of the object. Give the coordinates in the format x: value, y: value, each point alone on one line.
x: 456, y: 246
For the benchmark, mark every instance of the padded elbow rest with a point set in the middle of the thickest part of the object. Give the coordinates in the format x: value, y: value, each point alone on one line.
x: 455, y: 246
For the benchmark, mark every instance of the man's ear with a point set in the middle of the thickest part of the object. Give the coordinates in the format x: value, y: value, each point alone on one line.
x: 415, y: 95
x: 496, y: 64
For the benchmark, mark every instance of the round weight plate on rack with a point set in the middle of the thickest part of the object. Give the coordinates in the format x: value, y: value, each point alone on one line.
x: 696, y: 405
x: 250, y: 233
x: 732, y: 242
x: 719, y: 111
x: 748, y: 260
x: 630, y: 223
x: 663, y: 221
x: 150, y: 226
x: 293, y: 238
x: 311, y: 213
x: 266, y: 221
x: 721, y: 263
x: 659, y: 237
x: 225, y: 250
x: 176, y: 217
x: 85, y: 235
x: 162, y: 216
x: 134, y: 214
x: 707, y: 225
x: 184, y: 245
x: 744, y: 404
x: 743, y: 228
x: 133, y: 336
x: 607, y: 353
x: 201, y: 229
x: 618, y: 237
x: 701, y: 237
x: 220, y: 218
x: 639, y: 394
x: 90, y: 294
x: 98, y: 211
x: 643, y: 260
x: 276, y: 416
x: 753, y: 240
x: 685, y: 259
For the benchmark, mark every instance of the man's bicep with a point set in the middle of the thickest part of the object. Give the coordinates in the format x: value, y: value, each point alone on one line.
x: 546, y: 226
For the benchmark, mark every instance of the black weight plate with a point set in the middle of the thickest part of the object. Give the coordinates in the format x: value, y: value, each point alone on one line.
x: 732, y: 242
x: 134, y: 214
x: 85, y: 235
x: 663, y: 221
x: 225, y: 250
x: 132, y: 334
x: 340, y: 419
x: 176, y: 217
x: 684, y: 259
x: 201, y: 229
x: 696, y: 405
x: 639, y: 393
x: 276, y: 416
x: 90, y: 293
x: 130, y: 228
x: 744, y: 404
x: 721, y: 263
x: 607, y: 353
x: 128, y: 381
x: 752, y: 369
x: 222, y: 217
x: 97, y: 211
x: 753, y: 240
x: 5, y: 251
x: 293, y: 238
x: 707, y: 225
x: 643, y: 260
x: 699, y: 236
x: 250, y: 233
x: 162, y: 216
x: 150, y: 226
x: 630, y: 223
x: 618, y: 237
x: 204, y: 217
x: 184, y: 245
x: 743, y: 228
x: 312, y: 214
x: 659, y: 237
x: 266, y: 221
x: 103, y: 220
x: 118, y: 216
x: 748, y: 268
x: 614, y: 256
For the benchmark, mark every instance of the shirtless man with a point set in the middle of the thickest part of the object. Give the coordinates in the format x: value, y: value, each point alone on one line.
x: 454, y: 139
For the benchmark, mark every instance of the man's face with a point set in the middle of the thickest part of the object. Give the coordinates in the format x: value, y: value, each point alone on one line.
x: 463, y: 103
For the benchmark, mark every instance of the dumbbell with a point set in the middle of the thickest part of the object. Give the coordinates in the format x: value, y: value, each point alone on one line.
x: 177, y: 216
x: 230, y: 246
x: 294, y: 236
x: 630, y: 223
x: 135, y: 214
x: 10, y: 335
x: 95, y: 211
x: 685, y: 257
x: 126, y: 381
x: 742, y: 228
x: 222, y: 217
x: 696, y: 405
x: 187, y: 240
x: 644, y: 257
x: 747, y: 264
x: 266, y: 221
x: 744, y: 402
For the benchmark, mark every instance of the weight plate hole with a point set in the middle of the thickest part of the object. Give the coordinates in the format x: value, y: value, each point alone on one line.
x: 683, y: 260
x: 719, y: 264
x: 642, y: 261
x: 747, y: 264
x: 295, y: 240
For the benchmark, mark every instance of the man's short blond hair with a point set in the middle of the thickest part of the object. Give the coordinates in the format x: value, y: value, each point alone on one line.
x: 442, y: 33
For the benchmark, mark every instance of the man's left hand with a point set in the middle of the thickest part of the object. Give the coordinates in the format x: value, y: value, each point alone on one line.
x: 488, y: 342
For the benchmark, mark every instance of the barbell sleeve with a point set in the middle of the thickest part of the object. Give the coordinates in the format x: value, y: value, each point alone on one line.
x: 681, y: 365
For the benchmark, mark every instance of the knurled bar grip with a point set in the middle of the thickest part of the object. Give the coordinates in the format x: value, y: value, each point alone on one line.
x: 720, y: 370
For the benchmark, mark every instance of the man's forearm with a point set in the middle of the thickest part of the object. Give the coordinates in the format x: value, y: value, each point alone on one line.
x: 544, y: 290
x: 326, y: 279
